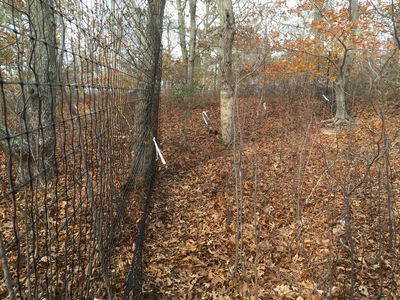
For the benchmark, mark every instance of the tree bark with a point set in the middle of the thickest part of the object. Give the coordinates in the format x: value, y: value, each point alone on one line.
x: 341, y: 112
x: 227, y: 81
x: 341, y: 115
x: 169, y: 41
x: 395, y: 19
x: 146, y: 121
x: 11, y: 145
x: 353, y: 10
x: 192, y: 42
x: 182, y: 36
x: 317, y: 16
x: 146, y: 107
x: 35, y: 151
x: 39, y: 112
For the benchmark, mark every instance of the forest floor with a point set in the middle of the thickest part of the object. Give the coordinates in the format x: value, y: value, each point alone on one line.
x: 295, y: 210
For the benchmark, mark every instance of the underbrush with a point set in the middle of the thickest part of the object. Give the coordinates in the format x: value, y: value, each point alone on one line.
x: 294, y: 211
x: 195, y: 96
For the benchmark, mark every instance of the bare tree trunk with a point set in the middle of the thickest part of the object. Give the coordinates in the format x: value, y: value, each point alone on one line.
x: 11, y: 145
x: 146, y: 120
x: 146, y: 108
x: 169, y: 41
x: 192, y: 42
x: 182, y: 36
x: 227, y: 81
x: 317, y: 16
x: 341, y: 112
x: 341, y: 115
x: 39, y: 110
x: 207, y: 18
x: 36, y: 150
x: 395, y: 19
x: 353, y: 10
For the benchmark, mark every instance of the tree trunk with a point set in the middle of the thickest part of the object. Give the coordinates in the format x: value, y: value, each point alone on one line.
x: 348, y: 57
x: 207, y: 18
x: 169, y: 40
x: 317, y: 16
x: 341, y: 112
x: 227, y: 81
x: 192, y: 42
x: 395, y: 19
x: 39, y: 110
x: 182, y: 36
x: 353, y: 10
x: 146, y: 108
x: 341, y: 115
x: 146, y: 120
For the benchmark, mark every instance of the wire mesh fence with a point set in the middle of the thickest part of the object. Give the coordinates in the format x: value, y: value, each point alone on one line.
x: 79, y: 87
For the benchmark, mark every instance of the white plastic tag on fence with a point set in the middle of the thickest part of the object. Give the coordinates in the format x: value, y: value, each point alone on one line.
x: 205, y: 117
x: 159, y: 154
x: 326, y: 99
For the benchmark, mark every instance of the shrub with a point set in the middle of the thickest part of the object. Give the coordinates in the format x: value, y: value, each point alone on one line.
x: 189, y: 92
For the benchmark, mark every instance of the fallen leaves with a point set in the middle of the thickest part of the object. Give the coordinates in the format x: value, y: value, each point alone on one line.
x: 194, y: 255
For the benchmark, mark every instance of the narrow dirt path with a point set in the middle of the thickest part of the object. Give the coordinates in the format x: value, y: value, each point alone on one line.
x: 184, y: 227
x: 191, y: 241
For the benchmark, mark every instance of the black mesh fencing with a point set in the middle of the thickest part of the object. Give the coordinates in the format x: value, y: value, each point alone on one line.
x: 73, y: 77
